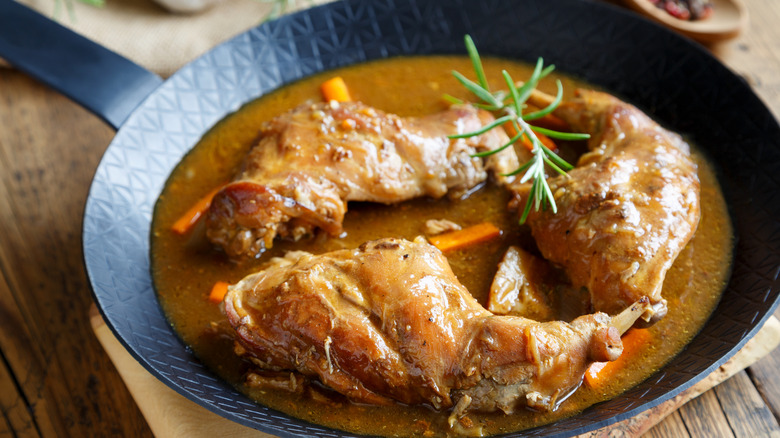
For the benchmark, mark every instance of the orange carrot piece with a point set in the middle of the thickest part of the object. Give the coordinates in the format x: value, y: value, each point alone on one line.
x: 218, y: 292
x: 547, y: 141
x: 600, y: 373
x: 335, y: 89
x: 465, y: 237
x: 510, y: 129
x: 552, y: 122
x: 592, y: 375
x: 186, y: 221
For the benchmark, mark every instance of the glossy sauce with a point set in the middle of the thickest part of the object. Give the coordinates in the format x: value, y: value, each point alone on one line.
x: 185, y: 267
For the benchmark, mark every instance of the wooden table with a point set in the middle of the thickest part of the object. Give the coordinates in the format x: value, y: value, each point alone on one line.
x: 56, y: 379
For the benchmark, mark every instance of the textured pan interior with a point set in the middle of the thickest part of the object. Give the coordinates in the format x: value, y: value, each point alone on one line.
x: 676, y: 81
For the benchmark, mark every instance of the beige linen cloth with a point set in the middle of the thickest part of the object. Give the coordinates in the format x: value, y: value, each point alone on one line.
x: 154, y: 37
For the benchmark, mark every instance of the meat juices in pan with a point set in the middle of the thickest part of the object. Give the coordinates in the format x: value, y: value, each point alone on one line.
x: 525, y: 284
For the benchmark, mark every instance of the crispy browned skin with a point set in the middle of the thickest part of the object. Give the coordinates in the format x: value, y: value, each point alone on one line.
x: 390, y: 322
x: 627, y: 209
x: 310, y: 161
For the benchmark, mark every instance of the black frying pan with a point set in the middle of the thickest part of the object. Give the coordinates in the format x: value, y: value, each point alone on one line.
x: 673, y: 79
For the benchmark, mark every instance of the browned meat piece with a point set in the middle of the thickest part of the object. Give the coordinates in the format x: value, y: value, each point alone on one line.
x: 519, y: 287
x: 390, y: 322
x: 310, y: 161
x: 626, y: 211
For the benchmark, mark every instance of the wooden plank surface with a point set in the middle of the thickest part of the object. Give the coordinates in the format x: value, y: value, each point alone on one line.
x: 15, y: 416
x: 672, y: 426
x: 746, y: 413
x: 764, y: 377
x: 55, y: 378
x: 49, y: 149
x: 703, y: 417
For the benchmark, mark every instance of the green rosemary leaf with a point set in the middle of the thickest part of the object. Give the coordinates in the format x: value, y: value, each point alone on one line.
x: 560, y: 162
x: 526, y: 89
x: 548, y: 196
x: 516, y: 102
x: 486, y: 107
x: 482, y: 154
x: 510, y: 105
x: 452, y: 99
x: 497, y: 122
x: 520, y: 169
x: 571, y: 136
x: 528, y: 204
x: 554, y: 165
x: 547, y: 70
x: 478, y: 91
x: 539, y: 193
x: 549, y: 108
x: 533, y: 171
x: 476, y: 62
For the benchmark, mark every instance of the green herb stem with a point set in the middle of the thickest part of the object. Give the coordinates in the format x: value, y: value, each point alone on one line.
x: 511, y: 105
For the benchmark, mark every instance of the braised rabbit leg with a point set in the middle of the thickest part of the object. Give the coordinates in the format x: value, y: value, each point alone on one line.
x: 627, y: 209
x: 311, y: 161
x: 390, y: 322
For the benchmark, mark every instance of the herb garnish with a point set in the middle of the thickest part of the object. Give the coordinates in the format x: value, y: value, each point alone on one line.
x: 511, y: 105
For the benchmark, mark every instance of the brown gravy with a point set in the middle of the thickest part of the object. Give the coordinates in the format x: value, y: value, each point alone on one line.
x: 185, y: 267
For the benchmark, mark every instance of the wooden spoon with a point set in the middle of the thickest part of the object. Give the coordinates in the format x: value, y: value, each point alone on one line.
x: 727, y: 19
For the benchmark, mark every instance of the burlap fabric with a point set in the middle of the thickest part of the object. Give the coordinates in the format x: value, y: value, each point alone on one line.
x: 155, y: 37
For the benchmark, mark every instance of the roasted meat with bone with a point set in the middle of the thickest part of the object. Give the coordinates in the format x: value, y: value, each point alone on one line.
x: 309, y: 162
x: 389, y: 321
x: 625, y: 211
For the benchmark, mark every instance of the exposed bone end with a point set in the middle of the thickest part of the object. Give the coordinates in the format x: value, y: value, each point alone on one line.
x: 459, y: 410
x: 654, y: 314
x: 625, y: 319
x: 605, y: 346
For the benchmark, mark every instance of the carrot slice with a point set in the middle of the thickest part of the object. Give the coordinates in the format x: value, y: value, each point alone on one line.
x: 547, y: 141
x: 186, y: 221
x: 510, y: 129
x: 592, y: 375
x: 465, y: 237
x: 600, y: 373
x: 218, y: 292
x: 552, y: 122
x: 335, y: 89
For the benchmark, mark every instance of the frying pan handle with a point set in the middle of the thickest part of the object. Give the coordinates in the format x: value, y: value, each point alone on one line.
x: 102, y: 81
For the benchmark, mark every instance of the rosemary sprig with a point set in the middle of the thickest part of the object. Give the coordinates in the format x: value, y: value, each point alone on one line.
x: 510, y: 105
